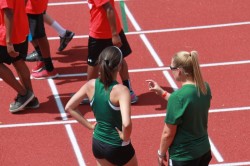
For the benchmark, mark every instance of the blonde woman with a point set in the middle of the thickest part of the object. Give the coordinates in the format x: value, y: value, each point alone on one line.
x: 185, y: 135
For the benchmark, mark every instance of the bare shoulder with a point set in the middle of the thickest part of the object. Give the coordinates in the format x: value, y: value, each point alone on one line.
x: 88, y: 86
x: 119, y: 88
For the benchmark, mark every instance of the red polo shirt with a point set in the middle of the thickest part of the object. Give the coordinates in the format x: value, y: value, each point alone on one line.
x: 36, y: 6
x: 99, y: 25
x: 20, y: 27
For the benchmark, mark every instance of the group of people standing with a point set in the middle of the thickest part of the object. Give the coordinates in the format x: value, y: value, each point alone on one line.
x: 184, y: 135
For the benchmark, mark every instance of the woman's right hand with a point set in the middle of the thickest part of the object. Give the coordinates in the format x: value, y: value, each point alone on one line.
x: 154, y: 87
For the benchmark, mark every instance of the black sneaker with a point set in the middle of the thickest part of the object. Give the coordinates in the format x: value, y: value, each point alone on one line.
x: 33, y: 104
x: 34, y: 56
x: 64, y: 41
x: 21, y: 102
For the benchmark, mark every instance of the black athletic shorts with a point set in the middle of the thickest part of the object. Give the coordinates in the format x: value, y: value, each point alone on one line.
x: 36, y: 25
x: 118, y: 155
x: 201, y: 161
x: 95, y: 47
x: 22, y: 48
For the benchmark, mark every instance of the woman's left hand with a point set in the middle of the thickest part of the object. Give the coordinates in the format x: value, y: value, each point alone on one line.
x: 120, y: 133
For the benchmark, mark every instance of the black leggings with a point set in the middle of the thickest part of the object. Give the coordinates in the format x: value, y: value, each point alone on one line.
x: 201, y: 161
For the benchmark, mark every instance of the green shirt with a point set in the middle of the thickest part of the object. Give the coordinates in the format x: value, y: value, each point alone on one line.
x: 189, y: 112
x: 107, y: 116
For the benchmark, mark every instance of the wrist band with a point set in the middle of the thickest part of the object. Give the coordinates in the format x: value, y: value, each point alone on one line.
x: 164, y: 94
x: 161, y: 155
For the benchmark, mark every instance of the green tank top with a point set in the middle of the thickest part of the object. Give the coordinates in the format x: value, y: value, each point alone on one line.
x: 107, y: 115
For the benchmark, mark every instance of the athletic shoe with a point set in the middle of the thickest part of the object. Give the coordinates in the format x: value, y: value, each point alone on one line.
x: 34, y: 56
x: 134, y: 98
x: 33, y: 104
x: 39, y: 67
x: 64, y: 41
x: 44, y: 74
x: 21, y: 101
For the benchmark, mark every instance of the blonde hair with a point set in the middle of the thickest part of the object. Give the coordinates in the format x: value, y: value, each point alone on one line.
x: 188, y: 61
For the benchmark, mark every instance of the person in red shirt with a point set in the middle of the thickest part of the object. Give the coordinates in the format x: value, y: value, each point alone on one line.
x: 105, y: 30
x: 13, y: 50
x: 35, y: 10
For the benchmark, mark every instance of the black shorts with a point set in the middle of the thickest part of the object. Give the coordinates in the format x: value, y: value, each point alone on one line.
x: 118, y: 155
x: 22, y: 48
x: 201, y: 161
x: 95, y: 47
x: 36, y: 24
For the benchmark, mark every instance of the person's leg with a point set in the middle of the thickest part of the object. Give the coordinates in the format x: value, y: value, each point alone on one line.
x: 8, y: 77
x: 65, y: 35
x: 132, y: 162
x: 54, y: 24
x: 124, y: 74
x: 103, y: 162
x: 38, y: 33
x: 24, y: 74
x: 92, y: 72
x: 24, y: 96
x: 36, y: 54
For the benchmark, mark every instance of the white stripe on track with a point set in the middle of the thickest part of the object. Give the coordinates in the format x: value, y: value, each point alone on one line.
x: 160, y: 64
x: 215, y: 151
x: 69, y: 130
x: 232, y: 164
x: 139, y: 31
x: 62, y: 122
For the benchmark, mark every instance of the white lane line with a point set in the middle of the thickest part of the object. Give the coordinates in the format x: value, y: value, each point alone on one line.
x: 166, y: 73
x: 143, y: 37
x: 232, y: 164
x: 69, y: 130
x: 72, y: 3
x: 215, y: 151
x: 160, y: 69
x: 75, y: 145
x: 62, y: 122
x: 139, y: 31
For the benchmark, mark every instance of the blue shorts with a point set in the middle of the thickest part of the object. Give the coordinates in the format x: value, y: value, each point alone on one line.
x: 22, y: 48
x: 118, y: 155
x: 95, y: 47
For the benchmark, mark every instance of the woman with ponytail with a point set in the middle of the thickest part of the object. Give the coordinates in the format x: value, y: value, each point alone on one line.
x: 185, y: 135
x: 110, y: 102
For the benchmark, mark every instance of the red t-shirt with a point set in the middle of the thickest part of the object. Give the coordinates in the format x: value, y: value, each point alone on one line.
x: 36, y: 6
x: 99, y: 25
x: 20, y: 29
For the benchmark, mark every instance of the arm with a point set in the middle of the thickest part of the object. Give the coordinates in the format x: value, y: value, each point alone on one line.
x: 167, y: 138
x: 112, y: 22
x: 124, y: 102
x: 74, y: 102
x: 155, y: 87
x: 8, y: 20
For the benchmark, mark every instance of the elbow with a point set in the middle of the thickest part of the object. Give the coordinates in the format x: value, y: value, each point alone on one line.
x: 68, y: 109
x: 127, y: 125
